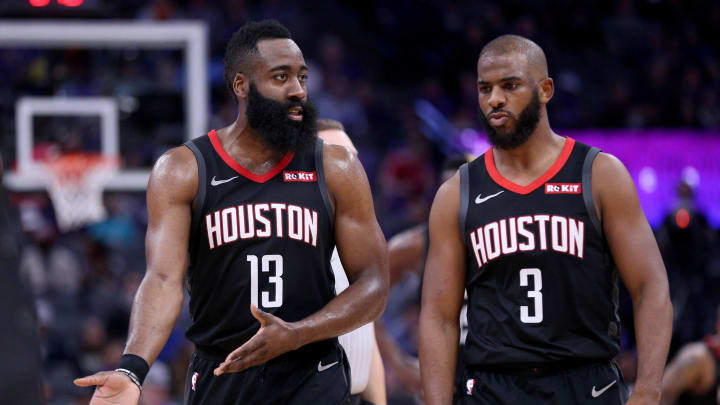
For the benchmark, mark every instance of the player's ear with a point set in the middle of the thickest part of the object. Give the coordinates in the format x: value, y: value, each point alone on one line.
x: 546, y: 90
x: 241, y: 85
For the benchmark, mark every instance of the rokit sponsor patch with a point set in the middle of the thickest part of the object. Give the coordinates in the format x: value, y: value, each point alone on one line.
x: 563, y: 188
x: 305, y: 177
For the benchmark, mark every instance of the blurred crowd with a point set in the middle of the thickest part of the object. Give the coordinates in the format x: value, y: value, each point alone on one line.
x: 620, y: 64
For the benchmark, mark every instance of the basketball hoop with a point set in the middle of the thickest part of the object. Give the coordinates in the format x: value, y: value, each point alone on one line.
x: 75, y: 183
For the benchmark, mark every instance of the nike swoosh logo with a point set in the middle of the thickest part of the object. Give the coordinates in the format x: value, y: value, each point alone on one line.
x: 322, y: 368
x: 596, y: 394
x: 214, y: 182
x: 479, y: 199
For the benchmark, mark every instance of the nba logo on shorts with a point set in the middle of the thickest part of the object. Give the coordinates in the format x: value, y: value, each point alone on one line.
x: 194, y: 380
x: 470, y: 384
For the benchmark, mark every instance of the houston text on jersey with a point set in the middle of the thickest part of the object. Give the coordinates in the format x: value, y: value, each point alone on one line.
x: 527, y: 233
x: 249, y: 221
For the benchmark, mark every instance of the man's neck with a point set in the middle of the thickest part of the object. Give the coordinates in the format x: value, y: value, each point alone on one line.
x: 245, y: 146
x: 527, y: 162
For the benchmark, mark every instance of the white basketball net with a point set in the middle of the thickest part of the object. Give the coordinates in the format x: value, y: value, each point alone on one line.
x: 75, y: 184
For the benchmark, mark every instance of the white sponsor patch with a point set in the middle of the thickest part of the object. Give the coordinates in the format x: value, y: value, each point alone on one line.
x: 305, y: 177
x: 563, y: 188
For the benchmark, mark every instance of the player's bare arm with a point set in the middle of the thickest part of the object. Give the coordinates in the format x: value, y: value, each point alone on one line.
x: 638, y: 259
x: 406, y: 253
x: 361, y: 246
x: 375, y: 392
x: 442, y: 296
x: 404, y: 366
x: 157, y: 304
x: 692, y: 370
x: 363, y: 252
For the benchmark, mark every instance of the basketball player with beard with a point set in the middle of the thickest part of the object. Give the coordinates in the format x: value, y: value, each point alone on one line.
x: 537, y: 230
x: 248, y: 217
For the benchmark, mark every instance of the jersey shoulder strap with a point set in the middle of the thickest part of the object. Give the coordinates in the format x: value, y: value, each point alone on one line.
x: 587, y: 188
x: 192, y: 144
x: 320, y: 169
x: 464, y: 199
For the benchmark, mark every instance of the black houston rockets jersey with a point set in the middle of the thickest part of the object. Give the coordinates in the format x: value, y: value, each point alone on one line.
x: 265, y: 240
x: 541, y: 283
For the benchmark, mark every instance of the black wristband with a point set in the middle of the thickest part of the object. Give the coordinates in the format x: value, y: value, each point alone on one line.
x: 136, y: 364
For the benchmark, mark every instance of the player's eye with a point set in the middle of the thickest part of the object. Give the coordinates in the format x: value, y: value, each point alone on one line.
x: 511, y: 85
x: 303, y: 77
x: 281, y: 76
x: 484, y: 89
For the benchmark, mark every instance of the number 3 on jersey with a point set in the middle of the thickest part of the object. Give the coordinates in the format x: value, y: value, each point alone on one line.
x: 534, y: 294
x: 275, y: 279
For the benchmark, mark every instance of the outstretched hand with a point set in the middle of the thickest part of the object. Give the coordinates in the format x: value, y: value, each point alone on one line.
x: 113, y: 388
x: 274, y: 338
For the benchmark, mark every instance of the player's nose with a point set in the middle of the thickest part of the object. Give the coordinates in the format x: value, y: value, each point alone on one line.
x: 497, y: 98
x: 297, y: 90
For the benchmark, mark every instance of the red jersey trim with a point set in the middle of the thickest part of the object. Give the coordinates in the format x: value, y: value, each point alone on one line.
x: 549, y: 174
x: 217, y: 145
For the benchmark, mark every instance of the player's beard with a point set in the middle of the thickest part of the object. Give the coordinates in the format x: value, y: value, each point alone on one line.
x: 524, y: 127
x: 270, y: 119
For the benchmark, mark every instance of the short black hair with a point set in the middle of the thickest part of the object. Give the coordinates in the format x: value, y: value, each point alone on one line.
x: 243, y: 45
x: 506, y: 44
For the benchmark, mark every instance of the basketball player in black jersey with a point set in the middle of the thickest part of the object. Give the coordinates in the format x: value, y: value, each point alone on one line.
x: 248, y: 216
x: 693, y: 376
x: 533, y: 230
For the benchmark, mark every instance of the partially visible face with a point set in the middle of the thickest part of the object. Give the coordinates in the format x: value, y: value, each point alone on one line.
x: 278, y: 106
x: 508, y: 98
x: 337, y: 137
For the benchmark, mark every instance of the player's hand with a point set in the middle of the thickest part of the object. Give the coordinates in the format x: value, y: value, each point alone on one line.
x: 274, y: 338
x: 113, y: 388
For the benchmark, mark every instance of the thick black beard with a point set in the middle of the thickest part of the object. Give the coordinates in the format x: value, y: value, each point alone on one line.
x: 270, y: 119
x: 526, y: 124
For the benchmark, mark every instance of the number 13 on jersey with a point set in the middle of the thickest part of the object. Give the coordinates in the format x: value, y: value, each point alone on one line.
x: 533, y: 294
x: 275, y: 280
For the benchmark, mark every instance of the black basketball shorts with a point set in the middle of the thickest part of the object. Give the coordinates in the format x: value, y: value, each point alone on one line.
x: 289, y: 379
x: 593, y: 384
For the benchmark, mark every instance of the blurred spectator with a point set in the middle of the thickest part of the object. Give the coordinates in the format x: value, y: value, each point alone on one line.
x: 684, y: 233
x: 50, y: 267
x: 339, y: 103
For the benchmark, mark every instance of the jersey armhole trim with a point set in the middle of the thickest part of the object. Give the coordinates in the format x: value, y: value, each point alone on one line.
x: 202, y: 186
x: 464, y: 199
x: 587, y: 189
x: 320, y: 168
